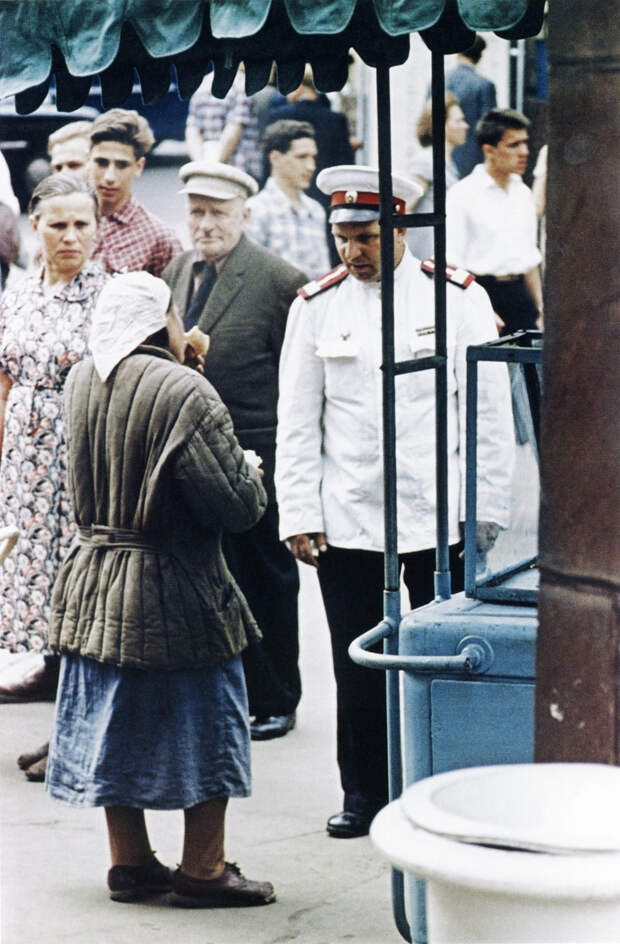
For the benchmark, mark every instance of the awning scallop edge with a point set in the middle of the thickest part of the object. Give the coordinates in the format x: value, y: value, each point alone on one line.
x: 78, y: 39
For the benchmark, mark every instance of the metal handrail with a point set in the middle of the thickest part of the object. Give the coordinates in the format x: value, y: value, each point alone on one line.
x: 474, y: 654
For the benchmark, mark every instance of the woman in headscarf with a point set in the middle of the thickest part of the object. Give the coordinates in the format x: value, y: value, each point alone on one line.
x: 44, y: 324
x: 151, y: 709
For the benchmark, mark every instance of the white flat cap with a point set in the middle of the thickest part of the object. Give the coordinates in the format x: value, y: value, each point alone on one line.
x: 219, y: 181
x: 354, y: 191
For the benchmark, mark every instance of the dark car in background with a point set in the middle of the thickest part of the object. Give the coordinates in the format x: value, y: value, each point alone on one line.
x: 167, y: 117
x: 23, y: 138
x: 23, y: 141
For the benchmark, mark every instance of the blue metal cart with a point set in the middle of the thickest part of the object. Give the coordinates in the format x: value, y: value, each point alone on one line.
x: 468, y: 661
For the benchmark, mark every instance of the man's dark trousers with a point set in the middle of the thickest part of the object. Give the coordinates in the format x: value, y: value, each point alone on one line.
x: 267, y: 573
x: 352, y: 588
x: 512, y: 302
x: 245, y: 317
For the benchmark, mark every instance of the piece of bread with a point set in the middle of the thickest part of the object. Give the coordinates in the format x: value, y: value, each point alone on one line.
x: 252, y: 458
x: 198, y: 341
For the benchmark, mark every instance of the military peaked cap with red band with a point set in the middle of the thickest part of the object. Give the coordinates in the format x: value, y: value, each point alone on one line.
x: 354, y: 192
x: 349, y: 197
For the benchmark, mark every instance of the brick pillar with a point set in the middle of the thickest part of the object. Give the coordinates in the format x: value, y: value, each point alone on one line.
x: 578, y: 688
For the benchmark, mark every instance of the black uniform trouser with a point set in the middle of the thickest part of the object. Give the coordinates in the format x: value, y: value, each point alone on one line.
x: 512, y: 302
x: 352, y: 588
x: 267, y: 573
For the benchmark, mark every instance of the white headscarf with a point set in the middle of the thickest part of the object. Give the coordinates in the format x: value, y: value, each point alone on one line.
x: 131, y: 307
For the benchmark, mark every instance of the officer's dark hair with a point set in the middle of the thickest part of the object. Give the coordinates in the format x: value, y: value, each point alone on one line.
x: 491, y: 127
x: 125, y: 126
x: 279, y: 135
x: 475, y: 50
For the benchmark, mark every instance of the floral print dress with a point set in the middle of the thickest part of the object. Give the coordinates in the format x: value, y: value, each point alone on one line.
x: 41, y: 337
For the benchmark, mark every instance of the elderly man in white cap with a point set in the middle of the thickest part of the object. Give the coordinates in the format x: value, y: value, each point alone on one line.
x: 329, y: 467
x: 240, y: 294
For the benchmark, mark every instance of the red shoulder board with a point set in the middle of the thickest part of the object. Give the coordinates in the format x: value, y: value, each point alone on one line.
x: 456, y: 276
x: 310, y: 289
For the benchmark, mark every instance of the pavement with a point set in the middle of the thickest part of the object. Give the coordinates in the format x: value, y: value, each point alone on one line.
x: 54, y: 859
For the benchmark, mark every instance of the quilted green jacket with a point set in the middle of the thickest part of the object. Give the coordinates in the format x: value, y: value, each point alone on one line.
x: 155, y: 474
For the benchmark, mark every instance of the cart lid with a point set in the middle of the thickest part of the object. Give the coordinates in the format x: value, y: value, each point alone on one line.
x: 553, y: 808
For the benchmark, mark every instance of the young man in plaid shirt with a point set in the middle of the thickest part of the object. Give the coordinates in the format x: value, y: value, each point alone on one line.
x: 129, y: 238
x: 283, y: 218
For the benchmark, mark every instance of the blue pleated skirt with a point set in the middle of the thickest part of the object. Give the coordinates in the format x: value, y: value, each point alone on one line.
x: 155, y: 739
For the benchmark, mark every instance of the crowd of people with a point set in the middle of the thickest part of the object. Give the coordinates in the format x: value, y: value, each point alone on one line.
x: 153, y: 591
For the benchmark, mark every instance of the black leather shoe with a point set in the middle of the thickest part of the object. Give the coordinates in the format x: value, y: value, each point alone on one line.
x: 347, y: 825
x: 274, y: 726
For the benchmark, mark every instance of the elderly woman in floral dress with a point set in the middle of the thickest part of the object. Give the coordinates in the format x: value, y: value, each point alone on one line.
x: 44, y: 324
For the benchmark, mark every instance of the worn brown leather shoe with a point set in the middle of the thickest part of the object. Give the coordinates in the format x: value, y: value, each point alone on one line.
x: 36, y: 772
x: 136, y: 882
x: 30, y: 678
x: 24, y: 761
x: 230, y: 890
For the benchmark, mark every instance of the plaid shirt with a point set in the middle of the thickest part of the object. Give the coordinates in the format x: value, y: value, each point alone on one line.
x: 210, y: 115
x: 132, y: 239
x: 295, y: 233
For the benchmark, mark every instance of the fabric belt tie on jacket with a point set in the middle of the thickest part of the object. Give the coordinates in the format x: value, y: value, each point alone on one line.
x: 101, y: 536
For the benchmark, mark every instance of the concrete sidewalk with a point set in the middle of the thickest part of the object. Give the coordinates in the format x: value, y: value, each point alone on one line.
x: 54, y: 859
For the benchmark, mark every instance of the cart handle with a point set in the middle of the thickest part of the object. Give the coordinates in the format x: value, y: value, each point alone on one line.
x: 474, y: 654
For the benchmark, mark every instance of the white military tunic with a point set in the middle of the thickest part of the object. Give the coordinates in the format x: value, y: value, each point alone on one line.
x: 329, y: 459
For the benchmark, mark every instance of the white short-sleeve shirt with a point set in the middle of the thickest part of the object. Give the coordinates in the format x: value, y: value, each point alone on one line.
x: 491, y: 230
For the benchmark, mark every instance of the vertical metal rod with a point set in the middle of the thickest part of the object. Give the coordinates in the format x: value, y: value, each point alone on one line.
x: 532, y: 385
x: 442, y: 555
x: 391, y: 595
x: 520, y: 78
x: 387, y: 319
x: 471, y: 440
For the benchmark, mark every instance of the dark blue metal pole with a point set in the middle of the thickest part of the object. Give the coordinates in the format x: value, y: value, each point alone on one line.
x: 442, y: 556
x: 471, y: 460
x: 391, y: 596
x: 391, y: 568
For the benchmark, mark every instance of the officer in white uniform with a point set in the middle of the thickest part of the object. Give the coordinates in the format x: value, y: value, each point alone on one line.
x: 329, y: 464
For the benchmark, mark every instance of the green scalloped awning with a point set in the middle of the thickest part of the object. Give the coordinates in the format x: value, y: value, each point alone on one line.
x: 78, y: 39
